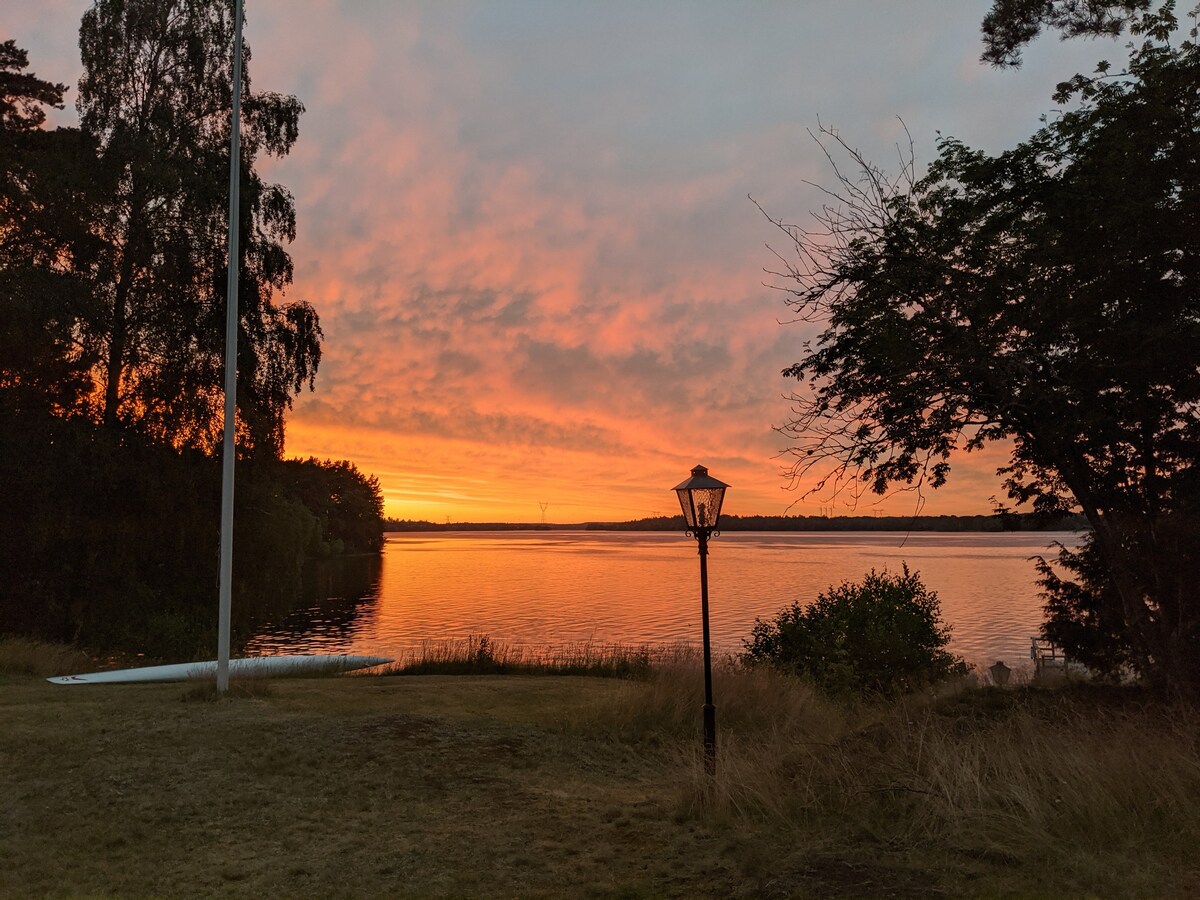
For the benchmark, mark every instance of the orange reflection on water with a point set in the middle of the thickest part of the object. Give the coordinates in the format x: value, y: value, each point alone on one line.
x: 553, y: 588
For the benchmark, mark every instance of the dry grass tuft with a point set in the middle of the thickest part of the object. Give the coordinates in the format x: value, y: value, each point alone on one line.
x: 40, y: 659
x: 1076, y: 777
x: 666, y: 705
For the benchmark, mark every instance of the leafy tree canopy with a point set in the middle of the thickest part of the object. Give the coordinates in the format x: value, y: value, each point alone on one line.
x: 156, y: 97
x: 23, y: 96
x: 1011, y: 24
x: 45, y: 245
x: 1048, y: 296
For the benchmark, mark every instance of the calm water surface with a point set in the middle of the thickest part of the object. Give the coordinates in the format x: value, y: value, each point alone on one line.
x: 540, y: 588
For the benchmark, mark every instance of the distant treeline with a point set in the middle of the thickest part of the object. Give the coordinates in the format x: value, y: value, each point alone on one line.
x: 1004, y: 522
x: 423, y: 525
x: 112, y: 540
x: 994, y: 523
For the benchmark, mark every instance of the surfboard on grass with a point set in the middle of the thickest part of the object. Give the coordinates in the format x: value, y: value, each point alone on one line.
x: 249, y: 667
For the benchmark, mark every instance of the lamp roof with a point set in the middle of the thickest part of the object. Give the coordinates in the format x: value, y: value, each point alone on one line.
x: 700, y: 480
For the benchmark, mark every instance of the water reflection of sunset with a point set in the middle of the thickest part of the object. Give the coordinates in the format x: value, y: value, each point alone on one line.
x: 538, y: 589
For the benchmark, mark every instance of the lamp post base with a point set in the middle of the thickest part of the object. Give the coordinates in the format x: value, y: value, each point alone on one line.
x: 710, y: 739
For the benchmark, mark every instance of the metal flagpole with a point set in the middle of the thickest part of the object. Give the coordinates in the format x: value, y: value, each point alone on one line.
x: 231, y: 323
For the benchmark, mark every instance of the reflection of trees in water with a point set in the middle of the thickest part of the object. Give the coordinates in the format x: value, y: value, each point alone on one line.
x: 336, y: 598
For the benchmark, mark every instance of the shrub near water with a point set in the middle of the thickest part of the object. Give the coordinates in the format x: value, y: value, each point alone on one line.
x: 883, y: 636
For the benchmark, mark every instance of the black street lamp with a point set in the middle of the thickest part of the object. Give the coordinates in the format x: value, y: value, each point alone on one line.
x: 700, y: 497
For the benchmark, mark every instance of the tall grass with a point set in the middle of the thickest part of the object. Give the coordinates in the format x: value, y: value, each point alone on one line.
x: 480, y: 655
x: 1084, y: 781
x: 759, y: 702
x: 27, y: 656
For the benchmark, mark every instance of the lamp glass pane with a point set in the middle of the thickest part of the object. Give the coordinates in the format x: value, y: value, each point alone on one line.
x: 685, y: 503
x: 701, y: 506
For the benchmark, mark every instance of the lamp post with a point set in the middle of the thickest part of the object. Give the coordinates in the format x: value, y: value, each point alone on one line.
x: 700, y: 498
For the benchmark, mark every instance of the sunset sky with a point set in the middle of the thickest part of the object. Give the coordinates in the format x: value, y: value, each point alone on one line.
x: 526, y: 229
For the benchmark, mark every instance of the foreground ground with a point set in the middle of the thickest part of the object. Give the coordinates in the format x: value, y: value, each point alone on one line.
x: 524, y: 786
x: 359, y: 787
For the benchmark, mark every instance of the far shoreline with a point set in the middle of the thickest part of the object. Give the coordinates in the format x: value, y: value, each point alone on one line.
x: 994, y: 524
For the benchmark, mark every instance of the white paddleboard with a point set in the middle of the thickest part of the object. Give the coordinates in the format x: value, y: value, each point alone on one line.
x: 250, y: 667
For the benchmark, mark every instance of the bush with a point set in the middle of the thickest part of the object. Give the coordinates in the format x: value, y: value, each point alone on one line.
x: 884, y: 636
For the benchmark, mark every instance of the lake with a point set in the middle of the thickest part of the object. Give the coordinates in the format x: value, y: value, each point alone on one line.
x: 551, y: 588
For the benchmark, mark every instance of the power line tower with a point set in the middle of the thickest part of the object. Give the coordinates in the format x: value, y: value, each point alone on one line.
x: 544, y: 504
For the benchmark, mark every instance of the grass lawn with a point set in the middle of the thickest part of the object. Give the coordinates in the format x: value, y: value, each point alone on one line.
x: 581, y: 787
x: 340, y: 787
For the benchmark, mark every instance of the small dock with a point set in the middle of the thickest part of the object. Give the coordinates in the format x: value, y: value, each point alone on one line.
x: 1047, y: 657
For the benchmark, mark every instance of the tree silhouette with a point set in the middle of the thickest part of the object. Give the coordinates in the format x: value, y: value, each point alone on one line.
x: 1048, y: 296
x: 46, y: 246
x: 156, y: 98
x: 1011, y: 24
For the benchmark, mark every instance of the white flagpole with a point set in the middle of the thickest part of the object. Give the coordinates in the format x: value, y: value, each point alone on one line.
x: 231, y: 323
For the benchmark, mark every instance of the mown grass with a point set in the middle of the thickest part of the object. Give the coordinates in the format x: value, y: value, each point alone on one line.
x: 239, y: 689
x: 501, y: 786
